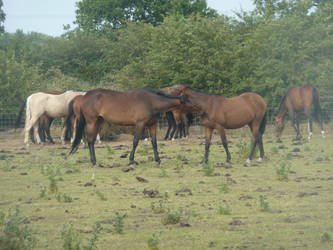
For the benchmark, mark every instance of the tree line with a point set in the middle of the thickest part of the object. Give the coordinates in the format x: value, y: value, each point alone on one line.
x: 157, y: 43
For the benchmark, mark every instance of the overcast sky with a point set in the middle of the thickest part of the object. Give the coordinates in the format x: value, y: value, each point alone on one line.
x: 49, y: 16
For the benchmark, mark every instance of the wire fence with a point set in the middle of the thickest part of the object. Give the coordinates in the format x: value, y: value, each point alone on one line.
x: 9, y: 116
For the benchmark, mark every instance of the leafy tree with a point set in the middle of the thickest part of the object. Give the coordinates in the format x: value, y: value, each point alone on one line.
x: 2, y: 17
x: 97, y: 15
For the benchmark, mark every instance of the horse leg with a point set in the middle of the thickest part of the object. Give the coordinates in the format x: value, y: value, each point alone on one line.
x: 47, y: 130
x: 224, y: 142
x: 29, y: 124
x: 261, y: 147
x: 255, y: 137
x: 152, y: 132
x: 208, y: 132
x: 169, y: 120
x: 293, y: 121
x: 36, y: 128
x: 91, y: 132
x: 138, y: 132
x: 309, y: 116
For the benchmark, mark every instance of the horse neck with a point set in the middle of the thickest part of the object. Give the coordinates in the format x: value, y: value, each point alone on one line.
x: 283, y: 110
x: 165, y: 104
x: 198, y: 99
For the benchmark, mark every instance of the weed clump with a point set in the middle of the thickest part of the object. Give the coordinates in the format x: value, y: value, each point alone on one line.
x: 172, y: 217
x: 14, y: 231
x: 263, y: 205
x: 118, y: 225
x: 282, y: 171
x: 153, y: 242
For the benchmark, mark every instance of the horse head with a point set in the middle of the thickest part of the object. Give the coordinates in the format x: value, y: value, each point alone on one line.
x: 279, y: 125
x: 177, y: 90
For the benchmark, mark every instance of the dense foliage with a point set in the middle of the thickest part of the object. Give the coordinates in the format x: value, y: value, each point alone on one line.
x: 130, y: 44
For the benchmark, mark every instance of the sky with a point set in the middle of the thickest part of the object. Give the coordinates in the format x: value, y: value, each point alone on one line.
x: 49, y: 16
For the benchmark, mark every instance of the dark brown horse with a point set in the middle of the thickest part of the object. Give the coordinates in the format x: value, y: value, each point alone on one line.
x: 179, y: 118
x: 221, y: 113
x: 140, y: 108
x: 299, y: 99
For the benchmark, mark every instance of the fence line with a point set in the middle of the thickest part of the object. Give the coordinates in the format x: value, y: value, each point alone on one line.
x: 8, y: 118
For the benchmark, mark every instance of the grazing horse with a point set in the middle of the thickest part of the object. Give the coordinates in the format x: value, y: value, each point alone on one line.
x: 220, y: 112
x: 140, y: 108
x: 73, y: 118
x: 39, y: 104
x: 295, y: 100
x: 177, y: 118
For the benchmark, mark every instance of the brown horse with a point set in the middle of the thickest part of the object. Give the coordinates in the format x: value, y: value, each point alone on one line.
x: 179, y: 116
x: 295, y: 100
x: 139, y: 108
x: 221, y: 113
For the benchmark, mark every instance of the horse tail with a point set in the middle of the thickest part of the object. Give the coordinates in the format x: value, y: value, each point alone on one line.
x: 189, y: 118
x: 78, y: 133
x: 68, y: 123
x: 17, y: 123
x: 316, y: 103
x: 263, y: 124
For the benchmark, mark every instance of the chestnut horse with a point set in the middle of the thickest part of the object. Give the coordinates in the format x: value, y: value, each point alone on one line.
x: 220, y: 112
x: 297, y: 99
x: 178, y: 117
x: 140, y: 108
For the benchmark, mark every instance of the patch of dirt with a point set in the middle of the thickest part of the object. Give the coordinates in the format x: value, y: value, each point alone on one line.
x: 151, y: 193
x: 245, y: 197
x: 140, y: 179
x: 183, y: 191
x: 303, y: 194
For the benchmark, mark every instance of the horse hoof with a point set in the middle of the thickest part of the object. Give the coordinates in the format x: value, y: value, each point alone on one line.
x: 133, y: 164
x: 227, y: 165
x: 323, y: 134
x: 247, y: 163
x: 260, y: 160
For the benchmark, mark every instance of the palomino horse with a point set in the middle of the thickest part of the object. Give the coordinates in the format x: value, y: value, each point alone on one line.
x: 178, y: 118
x: 221, y: 113
x: 139, y: 108
x: 73, y: 117
x: 44, y: 122
x: 54, y: 106
x: 295, y: 100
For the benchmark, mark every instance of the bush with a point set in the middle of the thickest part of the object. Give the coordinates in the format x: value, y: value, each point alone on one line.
x: 14, y: 231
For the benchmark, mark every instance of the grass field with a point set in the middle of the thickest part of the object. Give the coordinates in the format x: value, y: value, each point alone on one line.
x: 285, y: 202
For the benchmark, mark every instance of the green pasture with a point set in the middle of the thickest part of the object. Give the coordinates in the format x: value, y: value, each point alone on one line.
x: 285, y: 202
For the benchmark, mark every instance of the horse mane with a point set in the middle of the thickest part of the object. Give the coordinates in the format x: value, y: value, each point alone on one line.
x: 284, y: 98
x: 159, y: 93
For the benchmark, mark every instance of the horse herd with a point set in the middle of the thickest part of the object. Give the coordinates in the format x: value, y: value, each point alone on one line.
x: 86, y: 111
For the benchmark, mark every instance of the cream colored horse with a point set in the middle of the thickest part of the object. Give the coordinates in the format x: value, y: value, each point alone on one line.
x: 55, y: 106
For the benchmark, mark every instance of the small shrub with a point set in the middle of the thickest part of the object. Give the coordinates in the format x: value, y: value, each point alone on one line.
x: 92, y: 242
x: 208, y: 169
x: 244, y: 149
x: 153, y: 242
x: 325, y: 237
x: 180, y: 157
x: 100, y: 195
x: 160, y: 208
x: 14, y: 231
x: 71, y: 237
x: 109, y: 149
x: 42, y: 193
x: 224, y: 210
x: 172, y: 217
x: 53, y: 188
x: 282, y: 171
x: 163, y: 173
x: 118, y: 225
x: 224, y: 188
x: 67, y: 198
x: 263, y: 205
